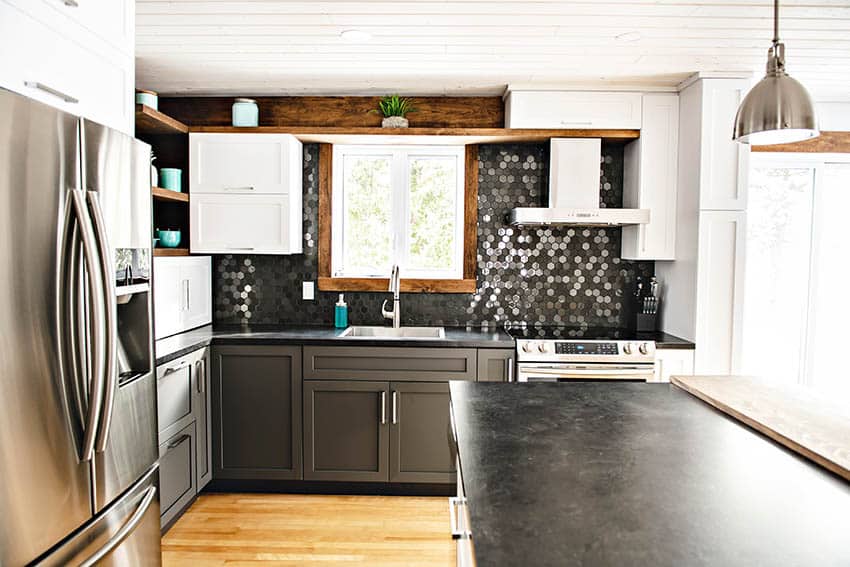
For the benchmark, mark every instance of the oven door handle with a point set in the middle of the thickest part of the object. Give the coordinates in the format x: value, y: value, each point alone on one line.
x: 607, y: 373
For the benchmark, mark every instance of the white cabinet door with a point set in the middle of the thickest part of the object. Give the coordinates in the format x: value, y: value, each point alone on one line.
x: 258, y: 224
x: 245, y: 164
x: 673, y: 362
x: 650, y: 180
x: 168, y: 294
x: 197, y: 273
x: 182, y: 294
x: 573, y: 109
x: 110, y: 20
x: 720, y: 281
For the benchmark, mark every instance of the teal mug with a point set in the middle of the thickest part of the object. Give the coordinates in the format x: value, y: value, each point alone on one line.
x: 171, y: 178
x: 168, y: 238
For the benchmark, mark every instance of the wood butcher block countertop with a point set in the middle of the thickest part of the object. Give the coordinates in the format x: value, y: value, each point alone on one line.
x: 790, y: 415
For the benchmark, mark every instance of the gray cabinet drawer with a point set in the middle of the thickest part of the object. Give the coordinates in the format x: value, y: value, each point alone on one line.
x: 389, y: 363
x: 177, y: 473
x: 175, y: 398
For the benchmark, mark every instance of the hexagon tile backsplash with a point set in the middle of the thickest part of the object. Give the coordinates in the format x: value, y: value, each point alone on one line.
x: 554, y: 276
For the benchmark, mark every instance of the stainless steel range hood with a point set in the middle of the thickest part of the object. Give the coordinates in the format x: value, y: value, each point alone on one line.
x: 574, y: 190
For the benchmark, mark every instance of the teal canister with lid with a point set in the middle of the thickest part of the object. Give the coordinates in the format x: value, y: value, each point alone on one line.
x: 245, y: 113
x: 341, y: 313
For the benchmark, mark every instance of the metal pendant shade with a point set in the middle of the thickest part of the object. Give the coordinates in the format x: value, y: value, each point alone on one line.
x: 778, y: 110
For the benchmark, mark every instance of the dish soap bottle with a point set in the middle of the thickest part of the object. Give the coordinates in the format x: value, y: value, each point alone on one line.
x: 341, y: 313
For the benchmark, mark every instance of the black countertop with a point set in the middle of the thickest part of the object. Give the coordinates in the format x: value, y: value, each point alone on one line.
x: 636, y: 474
x: 457, y: 337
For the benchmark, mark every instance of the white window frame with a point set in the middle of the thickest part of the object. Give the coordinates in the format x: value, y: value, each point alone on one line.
x: 816, y: 162
x: 400, y: 156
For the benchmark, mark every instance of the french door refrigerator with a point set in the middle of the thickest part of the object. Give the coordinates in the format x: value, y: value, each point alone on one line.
x: 78, y: 448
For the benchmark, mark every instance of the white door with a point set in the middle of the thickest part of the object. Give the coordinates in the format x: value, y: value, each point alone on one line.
x: 167, y: 297
x: 244, y: 163
x: 259, y: 224
x: 197, y: 273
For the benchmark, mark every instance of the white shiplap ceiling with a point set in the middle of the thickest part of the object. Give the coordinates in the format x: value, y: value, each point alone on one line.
x: 478, y: 46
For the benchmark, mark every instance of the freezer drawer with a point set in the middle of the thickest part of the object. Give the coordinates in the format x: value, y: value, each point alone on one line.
x: 177, y: 473
x: 125, y: 533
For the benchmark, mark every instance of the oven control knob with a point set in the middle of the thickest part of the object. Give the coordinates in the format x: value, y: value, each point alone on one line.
x: 643, y: 348
x: 526, y: 347
x: 542, y: 347
x: 627, y: 348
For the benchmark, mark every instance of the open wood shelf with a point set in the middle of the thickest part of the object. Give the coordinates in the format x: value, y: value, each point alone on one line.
x: 170, y: 251
x: 168, y: 195
x: 150, y: 121
x: 450, y: 136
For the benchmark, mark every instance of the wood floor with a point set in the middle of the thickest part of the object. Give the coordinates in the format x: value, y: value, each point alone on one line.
x: 313, y: 530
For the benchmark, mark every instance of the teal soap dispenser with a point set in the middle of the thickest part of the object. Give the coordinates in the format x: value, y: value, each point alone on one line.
x: 341, y: 313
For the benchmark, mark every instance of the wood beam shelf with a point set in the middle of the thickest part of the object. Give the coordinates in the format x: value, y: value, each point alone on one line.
x: 426, y: 136
x: 167, y: 195
x: 150, y: 121
x: 170, y: 251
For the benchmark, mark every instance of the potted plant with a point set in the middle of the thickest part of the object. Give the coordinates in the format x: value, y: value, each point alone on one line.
x: 394, y: 108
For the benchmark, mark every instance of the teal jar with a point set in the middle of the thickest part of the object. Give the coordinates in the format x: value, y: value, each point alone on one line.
x: 341, y: 313
x: 171, y: 178
x: 245, y: 112
x: 148, y: 98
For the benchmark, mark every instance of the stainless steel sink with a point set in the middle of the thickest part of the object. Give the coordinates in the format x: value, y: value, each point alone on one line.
x: 391, y: 333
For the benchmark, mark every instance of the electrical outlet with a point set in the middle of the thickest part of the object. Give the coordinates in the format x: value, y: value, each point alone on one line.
x: 308, y: 291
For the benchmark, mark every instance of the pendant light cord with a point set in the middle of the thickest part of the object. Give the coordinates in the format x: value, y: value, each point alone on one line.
x: 775, y: 22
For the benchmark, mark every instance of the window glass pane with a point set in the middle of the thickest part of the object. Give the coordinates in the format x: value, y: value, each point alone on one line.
x: 367, y: 221
x: 432, y: 237
x: 777, y: 274
x: 830, y: 278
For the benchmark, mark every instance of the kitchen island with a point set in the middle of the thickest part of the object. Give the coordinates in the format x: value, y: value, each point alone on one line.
x: 635, y: 474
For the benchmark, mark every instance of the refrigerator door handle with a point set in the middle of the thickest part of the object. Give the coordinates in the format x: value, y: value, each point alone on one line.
x: 125, y: 530
x: 109, y: 322
x: 95, y: 371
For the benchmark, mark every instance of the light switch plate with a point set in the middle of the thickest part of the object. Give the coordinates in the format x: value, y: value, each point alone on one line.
x: 308, y: 291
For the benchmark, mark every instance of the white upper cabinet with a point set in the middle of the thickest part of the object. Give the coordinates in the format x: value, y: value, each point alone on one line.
x: 649, y: 180
x: 573, y: 110
x: 76, y: 58
x: 246, y: 193
x: 245, y: 163
x: 182, y: 290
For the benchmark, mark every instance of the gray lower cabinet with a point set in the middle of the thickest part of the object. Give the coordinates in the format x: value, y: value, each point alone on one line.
x: 177, y: 474
x: 496, y: 365
x: 346, y: 430
x: 420, y: 449
x: 256, y: 397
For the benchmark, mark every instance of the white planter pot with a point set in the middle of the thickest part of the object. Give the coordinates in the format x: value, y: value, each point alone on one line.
x: 394, y: 122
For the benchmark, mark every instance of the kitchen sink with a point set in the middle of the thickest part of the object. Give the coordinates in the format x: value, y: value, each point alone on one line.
x: 391, y: 333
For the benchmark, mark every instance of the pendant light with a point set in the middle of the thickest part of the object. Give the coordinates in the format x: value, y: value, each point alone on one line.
x: 778, y: 110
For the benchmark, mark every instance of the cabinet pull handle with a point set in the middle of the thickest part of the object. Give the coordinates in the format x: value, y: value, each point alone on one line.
x: 200, y: 376
x: 248, y: 188
x: 178, y: 441
x: 52, y: 91
x: 173, y: 369
x: 383, y: 408
x: 509, y: 374
x: 71, y: 3
x: 240, y: 247
x: 395, y: 407
x: 569, y: 123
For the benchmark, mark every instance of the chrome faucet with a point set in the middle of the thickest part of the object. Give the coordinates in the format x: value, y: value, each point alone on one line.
x: 395, y: 285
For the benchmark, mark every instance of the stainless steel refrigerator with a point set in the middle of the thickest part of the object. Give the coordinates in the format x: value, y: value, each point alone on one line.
x: 78, y: 448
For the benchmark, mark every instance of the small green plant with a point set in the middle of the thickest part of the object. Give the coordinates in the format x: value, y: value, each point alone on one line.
x: 394, y: 105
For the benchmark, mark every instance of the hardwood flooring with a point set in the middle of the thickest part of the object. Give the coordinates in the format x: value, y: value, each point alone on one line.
x: 314, y: 530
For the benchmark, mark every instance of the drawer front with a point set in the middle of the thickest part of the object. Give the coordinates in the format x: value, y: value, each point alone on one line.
x: 177, y: 473
x: 175, y: 388
x: 247, y: 164
x: 576, y: 109
x: 389, y: 363
x: 258, y: 224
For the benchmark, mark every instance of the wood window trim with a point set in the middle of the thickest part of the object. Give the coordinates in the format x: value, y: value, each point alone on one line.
x: 470, y: 236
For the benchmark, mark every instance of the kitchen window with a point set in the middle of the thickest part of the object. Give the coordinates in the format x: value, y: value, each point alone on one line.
x: 404, y: 205
x: 795, y: 300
